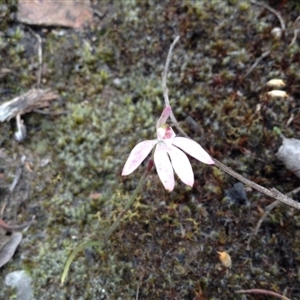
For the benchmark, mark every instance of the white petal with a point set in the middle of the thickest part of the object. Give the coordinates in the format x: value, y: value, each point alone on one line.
x: 164, y: 116
x: 193, y: 149
x: 160, y: 132
x: 182, y: 166
x: 137, y: 155
x: 163, y: 166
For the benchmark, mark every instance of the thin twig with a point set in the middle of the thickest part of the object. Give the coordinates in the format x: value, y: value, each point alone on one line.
x: 268, y: 210
x: 16, y: 179
x: 273, y: 193
x: 99, y: 14
x: 53, y: 113
x: 265, y: 54
x: 296, y: 31
x: 40, y: 56
x: 262, y: 291
x: 14, y: 184
x: 17, y: 227
x: 137, y: 291
x: 272, y: 10
x: 18, y: 174
x: 32, y: 99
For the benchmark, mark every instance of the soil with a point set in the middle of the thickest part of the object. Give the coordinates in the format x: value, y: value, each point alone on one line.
x: 108, y: 76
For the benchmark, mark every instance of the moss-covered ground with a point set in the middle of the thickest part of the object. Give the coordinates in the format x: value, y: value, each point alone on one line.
x: 108, y: 77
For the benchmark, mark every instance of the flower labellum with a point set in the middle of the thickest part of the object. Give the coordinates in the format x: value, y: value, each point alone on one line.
x: 168, y: 155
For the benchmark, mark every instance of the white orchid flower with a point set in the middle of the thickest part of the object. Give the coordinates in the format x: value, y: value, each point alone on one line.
x: 168, y: 154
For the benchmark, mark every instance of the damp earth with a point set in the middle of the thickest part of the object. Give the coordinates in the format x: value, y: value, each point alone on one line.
x: 108, y: 77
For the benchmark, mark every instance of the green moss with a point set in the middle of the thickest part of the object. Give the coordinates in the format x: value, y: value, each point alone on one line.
x: 109, y: 80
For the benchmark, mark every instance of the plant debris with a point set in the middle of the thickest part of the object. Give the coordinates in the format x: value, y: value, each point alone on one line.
x: 33, y: 99
x: 9, y: 244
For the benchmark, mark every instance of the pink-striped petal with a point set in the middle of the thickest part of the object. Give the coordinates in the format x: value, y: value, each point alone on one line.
x: 163, y: 166
x: 164, y: 116
x: 193, y: 149
x: 137, y: 155
x: 182, y: 166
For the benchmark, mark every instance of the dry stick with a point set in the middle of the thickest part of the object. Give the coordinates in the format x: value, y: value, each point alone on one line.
x: 13, y: 185
x: 16, y: 179
x: 268, y: 210
x: 17, y: 227
x: 282, y: 24
x: 296, y: 31
x: 272, y: 10
x: 137, y: 291
x: 261, y: 291
x: 273, y: 193
x: 52, y: 113
x: 40, y: 56
x: 11, y: 190
x: 265, y: 54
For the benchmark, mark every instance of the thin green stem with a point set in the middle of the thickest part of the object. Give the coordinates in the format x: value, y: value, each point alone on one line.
x: 72, y: 256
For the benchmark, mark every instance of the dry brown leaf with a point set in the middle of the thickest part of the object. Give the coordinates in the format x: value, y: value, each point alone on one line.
x: 9, y: 246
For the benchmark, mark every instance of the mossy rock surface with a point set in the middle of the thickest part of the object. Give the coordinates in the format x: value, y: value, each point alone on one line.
x: 109, y: 80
